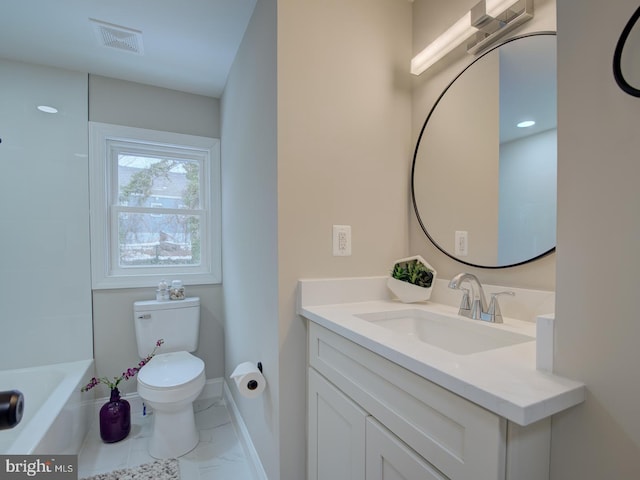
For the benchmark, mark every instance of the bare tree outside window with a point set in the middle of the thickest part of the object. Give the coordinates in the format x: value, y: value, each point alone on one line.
x: 158, y: 222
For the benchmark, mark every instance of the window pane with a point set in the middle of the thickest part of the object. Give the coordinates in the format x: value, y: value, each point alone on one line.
x: 146, y: 239
x: 158, y: 182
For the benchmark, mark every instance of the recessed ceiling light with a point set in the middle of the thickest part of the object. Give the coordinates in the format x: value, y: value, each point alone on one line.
x: 47, y: 109
x: 526, y: 123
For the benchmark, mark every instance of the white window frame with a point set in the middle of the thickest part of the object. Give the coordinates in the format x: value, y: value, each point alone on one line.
x: 105, y: 272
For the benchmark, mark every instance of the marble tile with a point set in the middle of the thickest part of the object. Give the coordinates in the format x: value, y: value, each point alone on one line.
x: 218, y: 456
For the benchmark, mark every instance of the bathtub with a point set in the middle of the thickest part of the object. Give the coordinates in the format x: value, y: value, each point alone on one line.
x: 55, y: 418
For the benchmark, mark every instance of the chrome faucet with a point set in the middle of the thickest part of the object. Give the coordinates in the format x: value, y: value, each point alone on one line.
x: 477, y: 308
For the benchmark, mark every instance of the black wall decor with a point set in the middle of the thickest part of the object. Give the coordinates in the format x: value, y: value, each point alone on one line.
x: 617, y: 56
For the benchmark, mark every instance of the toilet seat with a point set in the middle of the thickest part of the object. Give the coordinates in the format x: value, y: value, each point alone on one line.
x: 171, y: 370
x: 171, y: 377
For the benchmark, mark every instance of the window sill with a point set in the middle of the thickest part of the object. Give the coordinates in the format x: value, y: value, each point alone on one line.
x: 151, y: 281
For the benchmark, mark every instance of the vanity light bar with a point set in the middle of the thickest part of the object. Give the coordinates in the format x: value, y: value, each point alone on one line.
x: 454, y: 36
x: 496, y: 7
x: 513, y: 16
x: 483, y: 24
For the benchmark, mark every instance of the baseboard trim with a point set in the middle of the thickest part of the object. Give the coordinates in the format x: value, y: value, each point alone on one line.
x: 213, y: 388
x: 243, y: 434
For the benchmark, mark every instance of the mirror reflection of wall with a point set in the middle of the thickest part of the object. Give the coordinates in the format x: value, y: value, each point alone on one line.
x: 527, y: 198
x: 528, y: 154
x: 476, y: 172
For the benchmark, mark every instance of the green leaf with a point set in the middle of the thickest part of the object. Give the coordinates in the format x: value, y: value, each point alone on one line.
x: 413, y: 272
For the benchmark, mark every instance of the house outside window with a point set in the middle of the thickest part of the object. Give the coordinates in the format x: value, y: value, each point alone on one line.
x: 155, y: 207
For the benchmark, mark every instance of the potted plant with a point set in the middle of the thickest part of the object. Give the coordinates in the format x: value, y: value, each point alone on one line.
x: 412, y: 279
x: 115, y: 415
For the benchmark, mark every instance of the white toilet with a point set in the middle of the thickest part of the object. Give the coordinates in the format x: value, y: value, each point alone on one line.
x: 174, y: 378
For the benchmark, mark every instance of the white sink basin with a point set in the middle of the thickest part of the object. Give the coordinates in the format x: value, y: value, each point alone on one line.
x: 455, y: 334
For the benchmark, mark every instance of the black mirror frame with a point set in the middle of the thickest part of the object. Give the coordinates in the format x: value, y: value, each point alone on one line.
x: 415, y: 154
x: 617, y: 56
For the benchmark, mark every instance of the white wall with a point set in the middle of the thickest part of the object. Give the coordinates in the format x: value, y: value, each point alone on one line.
x: 527, y: 199
x: 430, y: 19
x: 249, y: 226
x: 135, y: 105
x: 45, y: 310
x: 598, y: 236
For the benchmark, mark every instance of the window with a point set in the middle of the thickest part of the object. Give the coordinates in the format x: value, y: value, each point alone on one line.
x: 155, y: 207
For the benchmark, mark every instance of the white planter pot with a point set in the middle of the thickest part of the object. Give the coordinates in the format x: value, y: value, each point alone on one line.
x: 407, y: 292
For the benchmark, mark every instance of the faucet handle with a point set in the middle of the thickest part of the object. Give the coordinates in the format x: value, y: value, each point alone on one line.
x: 493, y: 312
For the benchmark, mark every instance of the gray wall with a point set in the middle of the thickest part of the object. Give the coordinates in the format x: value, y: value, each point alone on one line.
x: 598, y: 236
x: 144, y: 106
x: 135, y: 105
x: 249, y: 228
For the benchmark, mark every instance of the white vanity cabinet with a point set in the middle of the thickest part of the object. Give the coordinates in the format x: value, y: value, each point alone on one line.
x: 388, y: 458
x: 347, y: 443
x: 372, y: 419
x: 336, y: 433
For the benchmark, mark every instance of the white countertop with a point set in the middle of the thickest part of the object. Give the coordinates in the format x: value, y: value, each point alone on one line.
x: 504, y: 380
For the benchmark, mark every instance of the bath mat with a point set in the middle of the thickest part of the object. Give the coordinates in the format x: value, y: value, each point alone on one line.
x: 158, y: 470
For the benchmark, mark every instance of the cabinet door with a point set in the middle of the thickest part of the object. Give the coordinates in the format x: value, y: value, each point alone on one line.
x: 336, y: 433
x: 388, y: 458
x: 461, y: 439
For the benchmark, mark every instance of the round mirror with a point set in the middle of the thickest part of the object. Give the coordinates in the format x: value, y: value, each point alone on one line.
x: 483, y: 179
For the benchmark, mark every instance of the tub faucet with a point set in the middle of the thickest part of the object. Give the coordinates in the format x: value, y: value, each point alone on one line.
x: 478, y: 302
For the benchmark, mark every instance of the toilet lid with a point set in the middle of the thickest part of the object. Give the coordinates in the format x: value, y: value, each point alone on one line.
x: 171, y: 370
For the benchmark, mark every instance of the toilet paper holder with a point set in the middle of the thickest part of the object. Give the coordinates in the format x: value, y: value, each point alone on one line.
x: 252, y: 385
x: 249, y: 379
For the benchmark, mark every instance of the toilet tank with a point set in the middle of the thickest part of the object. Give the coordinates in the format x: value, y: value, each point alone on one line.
x: 176, y: 322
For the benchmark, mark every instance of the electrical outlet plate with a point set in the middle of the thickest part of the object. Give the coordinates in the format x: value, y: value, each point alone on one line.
x: 341, y: 240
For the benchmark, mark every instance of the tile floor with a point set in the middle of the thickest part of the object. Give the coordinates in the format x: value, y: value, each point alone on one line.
x: 218, y: 456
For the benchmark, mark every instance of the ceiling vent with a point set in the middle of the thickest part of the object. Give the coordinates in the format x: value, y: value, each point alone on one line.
x: 115, y: 36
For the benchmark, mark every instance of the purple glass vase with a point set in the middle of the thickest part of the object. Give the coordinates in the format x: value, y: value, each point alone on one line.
x: 115, y: 418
